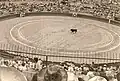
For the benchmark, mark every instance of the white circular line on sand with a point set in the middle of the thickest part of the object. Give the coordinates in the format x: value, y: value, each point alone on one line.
x: 42, y: 49
x: 15, y: 38
x: 22, y: 36
x: 112, y: 39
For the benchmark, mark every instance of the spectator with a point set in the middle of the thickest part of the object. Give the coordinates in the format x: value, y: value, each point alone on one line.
x: 39, y: 65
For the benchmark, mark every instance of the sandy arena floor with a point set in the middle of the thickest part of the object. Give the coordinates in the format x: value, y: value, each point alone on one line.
x: 51, y: 32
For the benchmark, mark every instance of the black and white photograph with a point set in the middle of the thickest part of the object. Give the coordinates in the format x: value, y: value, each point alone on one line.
x: 59, y: 40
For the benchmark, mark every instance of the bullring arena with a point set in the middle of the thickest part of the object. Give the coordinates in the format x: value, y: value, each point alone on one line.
x: 51, y: 35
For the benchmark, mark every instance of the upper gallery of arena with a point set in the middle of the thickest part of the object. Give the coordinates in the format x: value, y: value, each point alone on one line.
x: 100, y: 8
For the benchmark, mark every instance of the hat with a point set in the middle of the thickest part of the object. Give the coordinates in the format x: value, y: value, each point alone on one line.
x: 11, y: 74
x: 97, y: 78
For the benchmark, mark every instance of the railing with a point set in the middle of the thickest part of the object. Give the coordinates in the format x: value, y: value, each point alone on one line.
x: 54, y: 55
x: 12, y: 51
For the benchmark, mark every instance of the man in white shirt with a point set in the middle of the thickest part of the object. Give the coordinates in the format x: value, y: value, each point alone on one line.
x: 39, y: 65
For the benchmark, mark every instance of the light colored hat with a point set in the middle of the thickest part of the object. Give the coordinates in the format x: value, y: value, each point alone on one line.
x: 11, y: 74
x: 97, y: 78
x: 90, y: 74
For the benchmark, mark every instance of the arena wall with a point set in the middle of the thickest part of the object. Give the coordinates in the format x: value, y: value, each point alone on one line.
x: 63, y: 58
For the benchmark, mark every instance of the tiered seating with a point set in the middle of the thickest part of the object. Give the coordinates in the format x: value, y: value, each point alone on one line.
x: 84, y: 72
x: 104, y: 9
x: 30, y: 66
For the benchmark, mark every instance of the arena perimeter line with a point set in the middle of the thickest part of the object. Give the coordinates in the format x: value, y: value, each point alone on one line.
x: 95, y: 44
x: 99, y: 27
x: 42, y: 49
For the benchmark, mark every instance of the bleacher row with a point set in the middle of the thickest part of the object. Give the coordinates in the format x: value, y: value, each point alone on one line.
x: 75, y: 72
x: 108, y: 10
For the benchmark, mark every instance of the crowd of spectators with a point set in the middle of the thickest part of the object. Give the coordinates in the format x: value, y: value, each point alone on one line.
x: 22, y: 64
x: 83, y: 72
x: 76, y: 72
x: 103, y: 9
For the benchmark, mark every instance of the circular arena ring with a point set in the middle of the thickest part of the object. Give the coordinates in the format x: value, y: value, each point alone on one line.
x: 50, y: 33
